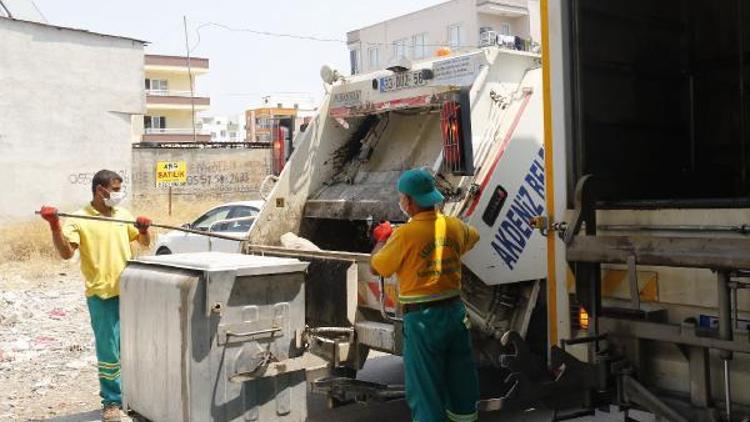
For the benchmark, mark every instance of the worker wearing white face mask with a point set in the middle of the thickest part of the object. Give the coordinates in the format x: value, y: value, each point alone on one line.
x: 105, y: 249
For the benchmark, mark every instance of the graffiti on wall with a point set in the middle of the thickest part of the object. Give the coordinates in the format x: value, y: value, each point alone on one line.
x: 222, y: 176
x: 85, y: 178
x: 230, y: 175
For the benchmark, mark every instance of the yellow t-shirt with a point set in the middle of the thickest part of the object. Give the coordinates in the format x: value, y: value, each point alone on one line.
x: 104, y: 248
x: 425, y: 254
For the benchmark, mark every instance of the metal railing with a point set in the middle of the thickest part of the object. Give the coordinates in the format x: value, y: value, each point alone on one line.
x: 170, y: 93
x: 508, y: 42
x: 171, y: 131
x: 202, y: 145
x: 522, y: 4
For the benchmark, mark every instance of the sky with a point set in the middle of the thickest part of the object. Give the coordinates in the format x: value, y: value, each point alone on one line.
x: 243, y: 66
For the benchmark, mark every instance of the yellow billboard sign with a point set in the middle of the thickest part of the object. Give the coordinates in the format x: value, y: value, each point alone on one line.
x: 171, y: 173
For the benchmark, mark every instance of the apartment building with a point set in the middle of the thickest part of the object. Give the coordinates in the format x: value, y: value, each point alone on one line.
x: 458, y: 24
x: 223, y: 128
x: 171, y: 100
x: 260, y: 122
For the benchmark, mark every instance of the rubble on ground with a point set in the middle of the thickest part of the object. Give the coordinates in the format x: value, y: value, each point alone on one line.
x: 47, y: 359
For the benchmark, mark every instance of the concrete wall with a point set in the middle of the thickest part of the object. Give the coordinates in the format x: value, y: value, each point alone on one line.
x: 221, y: 174
x: 66, y: 104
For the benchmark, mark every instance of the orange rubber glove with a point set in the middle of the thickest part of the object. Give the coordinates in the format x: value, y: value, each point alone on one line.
x: 382, y: 232
x: 50, y: 214
x: 142, y: 224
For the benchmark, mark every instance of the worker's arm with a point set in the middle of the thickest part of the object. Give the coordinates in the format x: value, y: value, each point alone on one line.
x: 471, y: 237
x: 375, y: 250
x: 144, y: 239
x: 64, y: 247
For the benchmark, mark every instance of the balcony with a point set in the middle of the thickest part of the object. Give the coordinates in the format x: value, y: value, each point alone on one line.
x: 167, y: 135
x: 352, y: 37
x: 178, y: 64
x: 159, y: 99
x: 509, y: 42
x: 509, y: 8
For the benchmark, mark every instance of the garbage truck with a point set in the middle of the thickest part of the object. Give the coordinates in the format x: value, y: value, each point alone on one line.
x: 473, y: 119
x: 608, y: 178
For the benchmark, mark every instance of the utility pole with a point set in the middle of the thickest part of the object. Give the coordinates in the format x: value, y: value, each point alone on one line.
x: 190, y: 76
x: 7, y: 11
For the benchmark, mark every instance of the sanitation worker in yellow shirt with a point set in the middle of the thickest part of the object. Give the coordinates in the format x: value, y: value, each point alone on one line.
x: 105, y: 249
x: 425, y: 254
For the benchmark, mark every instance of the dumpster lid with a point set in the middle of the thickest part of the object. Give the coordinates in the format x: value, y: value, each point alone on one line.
x: 222, y: 261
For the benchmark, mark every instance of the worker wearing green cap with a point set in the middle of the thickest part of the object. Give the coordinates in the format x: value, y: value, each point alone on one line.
x: 425, y: 254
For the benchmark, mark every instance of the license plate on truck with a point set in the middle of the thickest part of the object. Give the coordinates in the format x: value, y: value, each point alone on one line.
x: 402, y: 81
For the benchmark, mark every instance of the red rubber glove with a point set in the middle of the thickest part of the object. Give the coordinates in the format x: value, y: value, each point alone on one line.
x: 50, y: 214
x: 142, y: 224
x: 382, y: 232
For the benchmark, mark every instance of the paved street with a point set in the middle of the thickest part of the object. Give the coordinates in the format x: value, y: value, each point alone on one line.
x: 386, y: 369
x: 389, y: 369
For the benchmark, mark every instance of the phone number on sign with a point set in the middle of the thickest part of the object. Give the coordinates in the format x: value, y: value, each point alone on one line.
x: 218, y: 179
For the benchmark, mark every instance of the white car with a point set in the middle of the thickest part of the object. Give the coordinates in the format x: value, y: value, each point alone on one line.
x: 232, y: 219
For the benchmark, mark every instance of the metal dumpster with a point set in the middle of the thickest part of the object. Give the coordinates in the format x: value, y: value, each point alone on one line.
x: 196, y: 330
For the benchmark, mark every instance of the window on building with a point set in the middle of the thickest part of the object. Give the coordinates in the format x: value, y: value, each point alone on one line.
x: 154, y: 123
x: 156, y: 86
x: 418, y: 43
x: 504, y: 29
x: 373, y: 57
x: 455, y: 35
x: 223, y: 133
x: 354, y: 61
x: 265, y: 125
x: 399, y: 48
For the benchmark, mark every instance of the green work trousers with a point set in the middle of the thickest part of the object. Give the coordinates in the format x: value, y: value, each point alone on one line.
x: 439, y: 370
x: 105, y: 320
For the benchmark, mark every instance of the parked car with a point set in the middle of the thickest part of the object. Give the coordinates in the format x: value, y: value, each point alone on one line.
x: 233, y: 219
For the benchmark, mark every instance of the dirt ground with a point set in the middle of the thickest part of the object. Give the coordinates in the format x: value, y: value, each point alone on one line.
x: 47, y: 359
